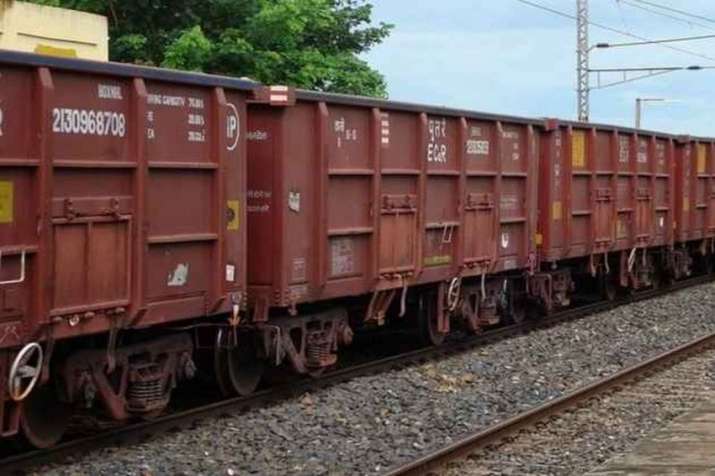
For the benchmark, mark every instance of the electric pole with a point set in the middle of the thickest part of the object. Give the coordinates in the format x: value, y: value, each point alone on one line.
x: 640, y: 102
x: 582, y: 64
x: 583, y: 51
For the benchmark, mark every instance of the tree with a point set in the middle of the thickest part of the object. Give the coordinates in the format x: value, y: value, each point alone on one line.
x: 313, y: 44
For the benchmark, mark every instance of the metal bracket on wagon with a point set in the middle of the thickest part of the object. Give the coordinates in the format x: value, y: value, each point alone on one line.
x: 25, y: 371
x: 454, y: 294
x: 23, y: 268
x: 274, y: 96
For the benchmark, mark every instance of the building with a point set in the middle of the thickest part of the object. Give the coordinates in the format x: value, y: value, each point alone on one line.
x: 53, y: 31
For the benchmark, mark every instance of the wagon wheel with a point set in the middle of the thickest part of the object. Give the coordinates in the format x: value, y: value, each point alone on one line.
x: 470, y: 312
x: 238, y: 369
x: 708, y: 265
x: 428, y: 318
x: 513, y: 308
x: 44, y: 418
x: 667, y: 278
x: 317, y: 373
x: 517, y: 314
x: 656, y: 279
x: 152, y: 415
x: 702, y: 264
x: 607, y: 287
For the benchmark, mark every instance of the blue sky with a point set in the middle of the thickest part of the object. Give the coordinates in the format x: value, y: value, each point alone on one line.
x: 505, y: 57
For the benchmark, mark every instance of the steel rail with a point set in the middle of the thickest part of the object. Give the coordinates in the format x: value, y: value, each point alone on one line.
x: 461, y: 449
x: 141, y: 431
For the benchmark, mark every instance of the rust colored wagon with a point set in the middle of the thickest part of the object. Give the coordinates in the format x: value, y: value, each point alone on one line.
x: 405, y: 209
x: 606, y: 207
x: 121, y: 208
x: 695, y: 202
x: 157, y: 225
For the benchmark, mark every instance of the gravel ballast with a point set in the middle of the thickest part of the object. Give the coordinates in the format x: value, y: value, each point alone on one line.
x: 372, y: 423
x: 584, y: 437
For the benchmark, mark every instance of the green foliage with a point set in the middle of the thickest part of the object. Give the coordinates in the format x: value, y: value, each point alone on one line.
x: 313, y: 44
x: 191, y: 51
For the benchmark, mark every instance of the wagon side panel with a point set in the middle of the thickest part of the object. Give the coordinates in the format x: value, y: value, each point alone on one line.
x: 20, y: 174
x: 516, y: 151
x: 442, y: 159
x: 91, y: 197
x: 346, y: 174
x: 264, y: 193
x: 480, y: 197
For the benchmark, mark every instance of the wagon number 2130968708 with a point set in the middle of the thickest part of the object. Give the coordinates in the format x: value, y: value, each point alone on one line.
x: 88, y: 122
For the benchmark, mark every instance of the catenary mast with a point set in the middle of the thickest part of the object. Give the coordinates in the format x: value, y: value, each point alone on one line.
x: 582, y: 66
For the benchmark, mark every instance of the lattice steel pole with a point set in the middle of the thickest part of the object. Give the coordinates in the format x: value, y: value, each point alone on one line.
x: 582, y: 67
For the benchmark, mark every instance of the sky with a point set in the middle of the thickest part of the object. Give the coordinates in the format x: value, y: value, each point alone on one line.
x: 502, y: 56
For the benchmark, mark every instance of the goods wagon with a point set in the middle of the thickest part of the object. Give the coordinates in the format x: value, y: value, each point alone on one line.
x: 606, y: 207
x: 360, y: 211
x: 155, y: 225
x: 121, y: 212
x: 695, y: 203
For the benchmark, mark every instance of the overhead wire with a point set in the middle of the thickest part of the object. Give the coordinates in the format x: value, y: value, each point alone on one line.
x: 676, y: 10
x: 656, y: 42
x: 613, y: 30
x: 620, y: 12
x: 666, y: 15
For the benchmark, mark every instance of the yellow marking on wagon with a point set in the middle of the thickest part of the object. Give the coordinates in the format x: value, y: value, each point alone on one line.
x: 557, y: 211
x: 702, y: 158
x: 7, y: 202
x: 234, y: 220
x: 438, y: 260
x: 621, y: 231
x: 578, y: 149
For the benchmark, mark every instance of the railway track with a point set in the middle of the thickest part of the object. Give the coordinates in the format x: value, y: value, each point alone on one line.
x: 141, y: 431
x: 528, y: 436
x: 582, y: 438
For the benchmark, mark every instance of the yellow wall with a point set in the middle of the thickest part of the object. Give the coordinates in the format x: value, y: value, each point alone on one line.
x: 54, y: 31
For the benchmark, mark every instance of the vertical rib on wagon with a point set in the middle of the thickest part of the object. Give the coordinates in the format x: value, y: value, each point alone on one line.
x: 377, y: 141
x: 138, y: 145
x: 45, y: 91
x: 321, y: 223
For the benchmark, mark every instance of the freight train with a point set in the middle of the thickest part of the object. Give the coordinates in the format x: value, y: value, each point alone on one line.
x: 155, y: 224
